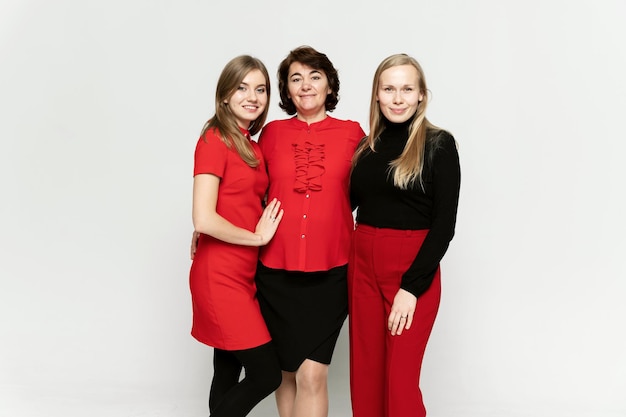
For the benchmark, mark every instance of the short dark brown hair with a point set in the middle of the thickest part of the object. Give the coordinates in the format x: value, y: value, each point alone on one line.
x: 316, y: 60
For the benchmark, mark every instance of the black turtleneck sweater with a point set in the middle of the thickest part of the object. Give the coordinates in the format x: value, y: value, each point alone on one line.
x: 380, y: 204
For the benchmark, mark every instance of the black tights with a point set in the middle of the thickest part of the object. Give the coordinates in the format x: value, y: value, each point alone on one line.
x: 231, y: 398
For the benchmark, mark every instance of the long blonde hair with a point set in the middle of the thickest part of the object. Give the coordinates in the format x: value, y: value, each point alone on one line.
x: 407, y: 168
x: 224, y: 120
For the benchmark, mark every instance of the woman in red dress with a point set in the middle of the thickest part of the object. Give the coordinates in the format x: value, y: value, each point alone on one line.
x: 230, y: 182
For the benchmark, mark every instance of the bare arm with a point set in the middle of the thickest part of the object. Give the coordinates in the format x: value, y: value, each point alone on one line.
x: 206, y: 220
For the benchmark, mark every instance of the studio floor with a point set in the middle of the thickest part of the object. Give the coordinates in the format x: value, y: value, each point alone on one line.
x: 94, y: 401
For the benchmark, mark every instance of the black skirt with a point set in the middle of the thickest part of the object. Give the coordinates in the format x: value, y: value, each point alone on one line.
x: 304, y: 312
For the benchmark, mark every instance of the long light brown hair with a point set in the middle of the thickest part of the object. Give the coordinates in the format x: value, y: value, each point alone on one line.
x: 407, y: 168
x: 224, y: 120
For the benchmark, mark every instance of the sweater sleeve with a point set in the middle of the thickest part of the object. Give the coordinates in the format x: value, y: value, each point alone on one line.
x: 446, y: 174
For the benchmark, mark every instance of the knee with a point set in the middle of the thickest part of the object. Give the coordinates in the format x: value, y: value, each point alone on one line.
x: 312, y: 377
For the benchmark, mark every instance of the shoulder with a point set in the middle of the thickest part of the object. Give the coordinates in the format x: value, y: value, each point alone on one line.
x: 348, y: 128
x: 210, y: 140
x: 267, y: 133
x: 210, y: 135
x: 278, y: 124
x: 441, y: 149
x: 271, y: 129
x: 346, y: 124
x: 440, y: 139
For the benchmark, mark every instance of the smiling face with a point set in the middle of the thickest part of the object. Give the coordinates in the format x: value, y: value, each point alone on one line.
x: 399, y: 93
x: 249, y: 100
x: 308, y: 89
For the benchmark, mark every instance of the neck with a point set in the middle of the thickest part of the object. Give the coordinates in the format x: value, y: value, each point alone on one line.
x: 311, y: 118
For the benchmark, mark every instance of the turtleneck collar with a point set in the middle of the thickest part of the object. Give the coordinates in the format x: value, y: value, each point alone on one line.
x: 397, y: 130
x: 396, y: 127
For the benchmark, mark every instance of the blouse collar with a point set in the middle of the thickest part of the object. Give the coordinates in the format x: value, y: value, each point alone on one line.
x: 245, y: 132
x: 301, y: 123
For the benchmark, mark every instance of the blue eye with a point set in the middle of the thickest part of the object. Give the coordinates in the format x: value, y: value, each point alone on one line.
x: 260, y: 90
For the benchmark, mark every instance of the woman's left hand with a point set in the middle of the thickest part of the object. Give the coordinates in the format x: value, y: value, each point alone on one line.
x: 402, y: 311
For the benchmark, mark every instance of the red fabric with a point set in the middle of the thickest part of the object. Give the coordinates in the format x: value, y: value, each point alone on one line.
x: 385, y: 369
x: 309, y: 168
x: 226, y: 313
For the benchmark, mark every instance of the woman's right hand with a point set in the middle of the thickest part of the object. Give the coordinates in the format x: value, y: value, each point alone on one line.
x: 269, y: 221
x: 194, y: 244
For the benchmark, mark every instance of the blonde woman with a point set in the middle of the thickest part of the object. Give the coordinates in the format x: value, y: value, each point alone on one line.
x: 405, y: 186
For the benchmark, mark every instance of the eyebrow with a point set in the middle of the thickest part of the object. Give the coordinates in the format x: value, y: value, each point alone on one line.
x: 312, y: 72
x: 403, y: 85
x: 258, y: 85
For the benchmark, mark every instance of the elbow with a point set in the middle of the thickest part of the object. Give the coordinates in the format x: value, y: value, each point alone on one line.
x: 202, y: 225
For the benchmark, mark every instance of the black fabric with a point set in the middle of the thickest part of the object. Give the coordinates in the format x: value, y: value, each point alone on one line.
x: 304, y: 312
x: 381, y: 204
x: 230, y: 397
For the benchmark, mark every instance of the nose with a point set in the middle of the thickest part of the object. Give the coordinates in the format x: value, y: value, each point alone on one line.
x: 397, y: 98
x: 252, y: 95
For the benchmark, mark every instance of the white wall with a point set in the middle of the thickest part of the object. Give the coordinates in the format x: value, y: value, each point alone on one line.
x: 101, y: 104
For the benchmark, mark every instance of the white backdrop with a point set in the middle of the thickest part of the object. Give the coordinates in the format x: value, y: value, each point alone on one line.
x: 101, y: 104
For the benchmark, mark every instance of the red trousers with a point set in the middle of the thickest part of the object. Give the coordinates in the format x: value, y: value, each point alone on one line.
x: 385, y: 369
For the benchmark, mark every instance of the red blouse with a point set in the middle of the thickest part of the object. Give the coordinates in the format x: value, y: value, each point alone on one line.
x: 309, y: 168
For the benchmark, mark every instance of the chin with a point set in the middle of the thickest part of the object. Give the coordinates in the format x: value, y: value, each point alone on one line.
x: 397, y: 119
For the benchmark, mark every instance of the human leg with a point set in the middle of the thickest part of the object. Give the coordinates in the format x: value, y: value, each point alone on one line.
x: 304, y: 312
x: 404, y: 353
x: 262, y: 377
x: 226, y: 373
x: 286, y: 394
x: 311, y: 390
x: 403, y: 397
x: 367, y: 329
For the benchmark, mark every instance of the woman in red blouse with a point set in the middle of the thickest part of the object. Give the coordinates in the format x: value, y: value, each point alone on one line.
x: 301, y: 277
x: 230, y: 182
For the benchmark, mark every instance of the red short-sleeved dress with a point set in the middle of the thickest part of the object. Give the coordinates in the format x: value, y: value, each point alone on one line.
x: 226, y: 312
